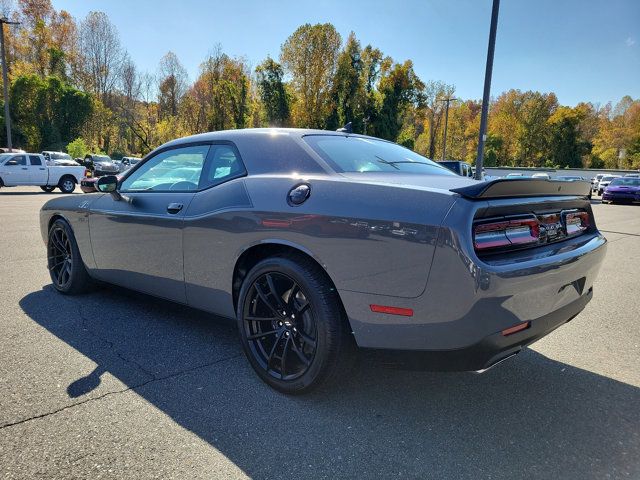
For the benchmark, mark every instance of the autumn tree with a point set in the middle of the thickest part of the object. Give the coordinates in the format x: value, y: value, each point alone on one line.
x: 310, y: 56
x: 172, y: 84
x: 222, y: 91
x: 102, y: 55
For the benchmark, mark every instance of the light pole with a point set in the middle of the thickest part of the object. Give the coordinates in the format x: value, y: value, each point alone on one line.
x: 446, y: 123
x: 5, y: 81
x: 487, y: 89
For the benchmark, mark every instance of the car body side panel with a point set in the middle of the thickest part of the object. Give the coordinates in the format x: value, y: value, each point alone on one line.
x: 360, y: 250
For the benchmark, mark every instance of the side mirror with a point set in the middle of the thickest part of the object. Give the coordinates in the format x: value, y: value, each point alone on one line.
x: 109, y: 184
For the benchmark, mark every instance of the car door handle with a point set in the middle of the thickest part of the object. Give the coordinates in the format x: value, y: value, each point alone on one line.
x: 42, y: 168
x: 25, y: 168
x: 174, y: 207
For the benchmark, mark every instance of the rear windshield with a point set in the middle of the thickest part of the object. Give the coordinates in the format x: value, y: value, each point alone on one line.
x: 625, y: 182
x: 59, y: 156
x: 357, y: 154
x: 101, y: 158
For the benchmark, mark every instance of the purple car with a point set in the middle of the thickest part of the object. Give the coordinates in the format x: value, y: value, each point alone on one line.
x: 623, y: 189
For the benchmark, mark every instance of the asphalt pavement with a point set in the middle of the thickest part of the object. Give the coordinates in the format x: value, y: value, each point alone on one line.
x: 115, y: 384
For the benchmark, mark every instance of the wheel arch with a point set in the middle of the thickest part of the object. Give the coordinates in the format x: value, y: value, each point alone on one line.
x: 255, y: 253
x: 71, y: 175
x: 57, y: 216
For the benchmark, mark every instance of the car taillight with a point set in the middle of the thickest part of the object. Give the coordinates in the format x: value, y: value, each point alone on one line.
x: 505, y: 233
x: 576, y: 222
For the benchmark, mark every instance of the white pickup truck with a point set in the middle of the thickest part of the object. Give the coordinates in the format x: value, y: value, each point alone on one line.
x: 31, y: 169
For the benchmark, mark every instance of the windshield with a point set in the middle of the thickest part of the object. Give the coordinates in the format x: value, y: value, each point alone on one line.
x: 625, y: 182
x: 357, y: 154
x: 59, y: 156
x: 607, y: 178
x: 101, y: 158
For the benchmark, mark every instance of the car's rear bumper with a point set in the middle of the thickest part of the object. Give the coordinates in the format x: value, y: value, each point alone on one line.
x: 489, y: 351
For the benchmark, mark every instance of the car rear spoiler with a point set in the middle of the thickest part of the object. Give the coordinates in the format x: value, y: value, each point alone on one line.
x: 524, y: 187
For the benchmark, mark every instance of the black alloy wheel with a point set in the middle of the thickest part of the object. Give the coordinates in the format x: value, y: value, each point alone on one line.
x: 60, y: 257
x: 280, y: 326
x: 66, y: 268
x: 292, y: 324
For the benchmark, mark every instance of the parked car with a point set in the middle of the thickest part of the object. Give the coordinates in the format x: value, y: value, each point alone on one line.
x: 635, y: 175
x: 574, y: 178
x: 461, y: 168
x: 595, y: 180
x: 544, y: 176
x: 58, y: 158
x: 13, y: 150
x: 100, y: 165
x: 221, y: 221
x: 571, y: 178
x: 31, y: 169
x: 604, y: 182
x: 622, y: 189
x: 127, y: 162
x: 515, y: 175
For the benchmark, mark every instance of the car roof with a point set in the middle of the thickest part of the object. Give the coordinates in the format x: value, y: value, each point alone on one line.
x: 257, y: 133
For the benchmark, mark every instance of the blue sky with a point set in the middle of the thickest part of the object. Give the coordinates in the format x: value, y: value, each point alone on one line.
x: 587, y: 50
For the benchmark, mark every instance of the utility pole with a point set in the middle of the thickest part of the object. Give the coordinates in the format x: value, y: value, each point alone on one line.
x: 446, y: 123
x: 487, y: 89
x: 5, y: 81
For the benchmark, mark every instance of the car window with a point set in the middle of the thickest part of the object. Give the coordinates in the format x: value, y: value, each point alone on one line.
x: 359, y: 154
x: 19, y: 159
x: 178, y: 169
x: 35, y: 160
x: 625, y: 182
x: 223, y: 164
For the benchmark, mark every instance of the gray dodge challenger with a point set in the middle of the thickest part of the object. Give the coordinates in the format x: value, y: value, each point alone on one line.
x: 317, y: 242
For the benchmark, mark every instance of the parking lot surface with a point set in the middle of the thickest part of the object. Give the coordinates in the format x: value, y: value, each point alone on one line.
x: 115, y: 384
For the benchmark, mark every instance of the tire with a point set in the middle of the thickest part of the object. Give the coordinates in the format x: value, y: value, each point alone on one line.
x: 67, y: 184
x: 47, y: 189
x: 292, y: 355
x: 66, y: 268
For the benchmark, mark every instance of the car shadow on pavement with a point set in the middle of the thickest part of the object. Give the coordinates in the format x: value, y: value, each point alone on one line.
x: 532, y: 417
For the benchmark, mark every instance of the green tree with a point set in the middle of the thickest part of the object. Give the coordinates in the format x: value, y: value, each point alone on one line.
x: 565, y: 148
x: 273, y: 93
x: 348, y: 89
x: 77, y: 148
x: 399, y: 87
x: 47, y: 113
